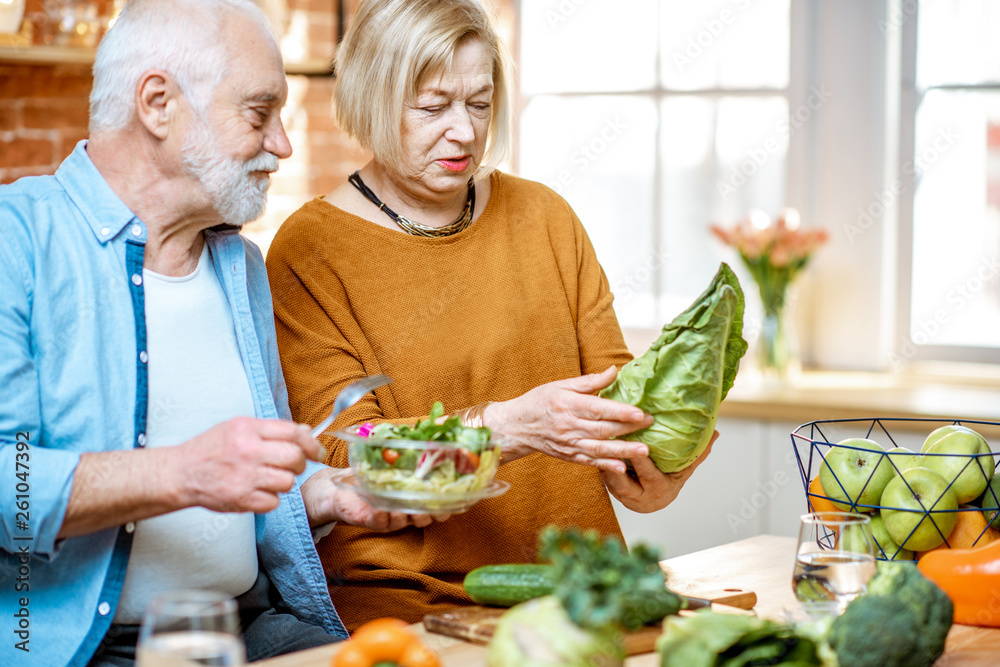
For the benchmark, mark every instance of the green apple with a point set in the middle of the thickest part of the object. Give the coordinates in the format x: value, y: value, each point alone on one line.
x: 902, y: 458
x: 968, y: 462
x: 885, y: 547
x: 918, y: 509
x: 854, y: 473
x: 939, y: 433
x: 991, y: 502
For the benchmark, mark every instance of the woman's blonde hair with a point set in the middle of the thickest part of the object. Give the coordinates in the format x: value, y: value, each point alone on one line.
x: 391, y: 49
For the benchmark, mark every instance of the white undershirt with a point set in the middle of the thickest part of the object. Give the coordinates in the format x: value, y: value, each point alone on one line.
x: 196, y: 380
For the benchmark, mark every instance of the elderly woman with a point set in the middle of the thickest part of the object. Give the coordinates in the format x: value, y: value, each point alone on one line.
x: 465, y: 285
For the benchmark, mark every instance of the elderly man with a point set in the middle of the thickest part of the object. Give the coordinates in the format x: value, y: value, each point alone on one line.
x: 142, y: 446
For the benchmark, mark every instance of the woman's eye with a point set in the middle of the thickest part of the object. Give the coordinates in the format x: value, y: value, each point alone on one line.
x: 431, y: 109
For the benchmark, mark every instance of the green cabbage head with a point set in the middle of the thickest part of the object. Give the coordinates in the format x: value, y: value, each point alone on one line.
x: 686, y: 373
x: 539, y: 633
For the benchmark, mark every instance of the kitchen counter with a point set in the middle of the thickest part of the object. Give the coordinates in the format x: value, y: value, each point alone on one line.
x: 762, y: 564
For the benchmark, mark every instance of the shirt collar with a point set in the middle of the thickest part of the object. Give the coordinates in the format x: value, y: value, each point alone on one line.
x: 106, y: 214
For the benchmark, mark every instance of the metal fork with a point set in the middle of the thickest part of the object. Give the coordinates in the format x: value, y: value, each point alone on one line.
x: 350, y: 395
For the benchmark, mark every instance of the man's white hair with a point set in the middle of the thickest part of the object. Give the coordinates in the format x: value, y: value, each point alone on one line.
x: 180, y: 37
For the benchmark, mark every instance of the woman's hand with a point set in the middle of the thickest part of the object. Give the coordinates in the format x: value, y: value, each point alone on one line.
x: 325, y: 502
x: 565, y: 420
x: 652, y: 490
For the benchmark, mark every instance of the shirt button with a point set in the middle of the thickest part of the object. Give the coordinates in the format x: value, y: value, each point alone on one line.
x: 141, y: 439
x: 136, y: 230
x: 105, y: 231
x: 104, y: 609
x: 130, y: 527
x: 143, y: 357
x: 235, y: 269
x: 136, y: 279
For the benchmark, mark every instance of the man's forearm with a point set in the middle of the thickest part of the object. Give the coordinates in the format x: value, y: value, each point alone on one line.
x: 114, y: 488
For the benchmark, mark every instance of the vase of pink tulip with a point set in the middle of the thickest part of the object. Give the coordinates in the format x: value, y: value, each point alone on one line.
x: 775, y: 252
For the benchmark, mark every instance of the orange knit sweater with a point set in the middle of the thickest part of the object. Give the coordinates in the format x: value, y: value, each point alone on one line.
x: 516, y: 300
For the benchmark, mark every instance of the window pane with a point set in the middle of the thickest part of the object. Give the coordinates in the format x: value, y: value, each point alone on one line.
x: 958, y: 42
x: 598, y: 153
x: 724, y: 44
x: 578, y: 46
x: 956, y: 220
x: 720, y: 159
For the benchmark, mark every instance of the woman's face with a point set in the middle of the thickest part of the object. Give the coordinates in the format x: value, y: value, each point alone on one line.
x: 445, y: 127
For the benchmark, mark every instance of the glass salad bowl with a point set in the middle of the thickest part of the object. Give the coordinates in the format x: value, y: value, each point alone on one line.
x: 421, y: 476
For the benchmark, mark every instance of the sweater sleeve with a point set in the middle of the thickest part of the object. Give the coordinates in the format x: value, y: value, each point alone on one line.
x: 600, y: 336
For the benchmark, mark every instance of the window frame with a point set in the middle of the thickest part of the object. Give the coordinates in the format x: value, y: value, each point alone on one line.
x: 794, y: 159
x: 907, y: 351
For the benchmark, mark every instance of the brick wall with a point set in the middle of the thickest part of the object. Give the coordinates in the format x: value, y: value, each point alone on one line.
x: 43, y: 113
x: 43, y: 110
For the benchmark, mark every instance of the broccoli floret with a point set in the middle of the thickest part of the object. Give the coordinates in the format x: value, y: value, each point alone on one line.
x: 859, y: 635
x: 931, y: 607
x: 901, y: 606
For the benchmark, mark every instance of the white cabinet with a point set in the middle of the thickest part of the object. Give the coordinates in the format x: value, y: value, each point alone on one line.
x: 749, y: 485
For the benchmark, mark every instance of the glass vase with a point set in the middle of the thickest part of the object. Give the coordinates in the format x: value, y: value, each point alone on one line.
x: 777, y: 345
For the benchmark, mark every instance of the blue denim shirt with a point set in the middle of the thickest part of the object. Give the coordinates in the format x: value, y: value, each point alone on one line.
x: 73, y: 380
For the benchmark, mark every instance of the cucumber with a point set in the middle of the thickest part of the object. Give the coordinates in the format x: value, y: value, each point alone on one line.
x: 509, y: 584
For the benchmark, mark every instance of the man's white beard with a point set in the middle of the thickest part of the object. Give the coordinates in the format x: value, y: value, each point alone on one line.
x: 237, y: 196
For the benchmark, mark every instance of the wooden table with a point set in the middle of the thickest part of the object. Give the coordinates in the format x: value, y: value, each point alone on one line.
x: 762, y: 564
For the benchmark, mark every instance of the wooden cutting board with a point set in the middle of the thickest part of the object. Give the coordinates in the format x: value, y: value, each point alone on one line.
x: 477, y: 624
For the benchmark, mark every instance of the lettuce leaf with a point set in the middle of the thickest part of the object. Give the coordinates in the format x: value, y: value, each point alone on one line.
x: 686, y: 374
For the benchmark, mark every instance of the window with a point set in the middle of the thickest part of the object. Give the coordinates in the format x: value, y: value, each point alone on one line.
x: 950, y: 163
x: 654, y: 119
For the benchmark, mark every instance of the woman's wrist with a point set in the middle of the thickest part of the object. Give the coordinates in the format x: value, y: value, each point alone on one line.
x: 474, y: 417
x: 494, y: 416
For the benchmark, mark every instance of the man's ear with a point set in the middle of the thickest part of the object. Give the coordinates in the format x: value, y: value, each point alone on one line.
x: 155, y: 102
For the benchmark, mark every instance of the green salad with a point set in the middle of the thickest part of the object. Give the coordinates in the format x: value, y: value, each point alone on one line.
x: 443, y: 458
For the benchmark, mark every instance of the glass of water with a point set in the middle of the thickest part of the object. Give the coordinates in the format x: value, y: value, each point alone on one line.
x: 834, y: 561
x: 191, y: 627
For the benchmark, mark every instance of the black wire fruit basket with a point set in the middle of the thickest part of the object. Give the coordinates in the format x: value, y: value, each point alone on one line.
x: 923, y: 496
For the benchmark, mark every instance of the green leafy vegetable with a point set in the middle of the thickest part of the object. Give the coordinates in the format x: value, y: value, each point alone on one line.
x: 539, y: 633
x: 600, y: 589
x: 449, y: 430
x: 710, y: 639
x: 686, y: 374
x: 436, y: 455
x: 601, y: 584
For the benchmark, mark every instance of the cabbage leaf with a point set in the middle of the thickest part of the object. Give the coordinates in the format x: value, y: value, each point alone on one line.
x: 686, y: 373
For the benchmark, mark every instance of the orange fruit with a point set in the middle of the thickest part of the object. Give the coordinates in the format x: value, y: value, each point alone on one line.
x: 384, y: 639
x: 418, y: 655
x: 970, y: 527
x: 351, y: 655
x: 819, y: 504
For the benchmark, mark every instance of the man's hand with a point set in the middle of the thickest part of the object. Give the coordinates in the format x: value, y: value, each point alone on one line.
x: 325, y: 502
x: 238, y: 466
x: 243, y: 464
x: 653, y: 490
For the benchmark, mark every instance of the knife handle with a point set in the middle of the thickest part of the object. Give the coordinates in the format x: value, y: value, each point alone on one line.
x: 731, y: 597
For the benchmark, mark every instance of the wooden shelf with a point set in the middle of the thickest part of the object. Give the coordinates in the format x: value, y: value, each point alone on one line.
x: 46, y: 55
x: 67, y: 55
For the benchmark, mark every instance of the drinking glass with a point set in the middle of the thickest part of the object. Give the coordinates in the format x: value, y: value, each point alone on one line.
x: 191, y: 627
x: 834, y: 561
